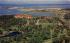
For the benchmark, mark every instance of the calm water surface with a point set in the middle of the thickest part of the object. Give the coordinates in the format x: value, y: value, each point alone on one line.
x: 15, y: 11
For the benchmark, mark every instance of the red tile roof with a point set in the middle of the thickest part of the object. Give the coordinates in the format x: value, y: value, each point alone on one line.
x: 23, y: 16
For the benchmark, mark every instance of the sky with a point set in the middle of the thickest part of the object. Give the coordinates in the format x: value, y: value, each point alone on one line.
x: 35, y: 1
